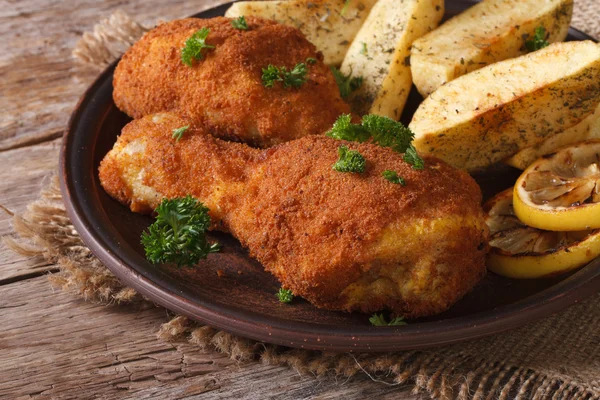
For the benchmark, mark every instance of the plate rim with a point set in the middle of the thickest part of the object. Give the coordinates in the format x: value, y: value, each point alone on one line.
x: 583, y: 283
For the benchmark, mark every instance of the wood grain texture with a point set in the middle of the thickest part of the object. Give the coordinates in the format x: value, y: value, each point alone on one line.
x: 52, y: 344
x: 28, y: 169
x: 57, y: 346
x: 37, y: 40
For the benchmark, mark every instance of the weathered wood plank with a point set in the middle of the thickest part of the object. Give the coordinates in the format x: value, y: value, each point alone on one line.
x: 22, y: 176
x: 268, y: 382
x: 55, y: 345
x: 37, y: 40
x: 25, y: 172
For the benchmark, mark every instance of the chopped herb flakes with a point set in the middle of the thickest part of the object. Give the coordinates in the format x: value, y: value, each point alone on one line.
x: 538, y: 41
x: 178, y: 133
x: 346, y: 83
x: 285, y: 295
x: 363, y: 49
x: 412, y: 157
x: 349, y: 161
x: 346, y: 3
x: 192, y: 50
x: 379, y: 320
x: 294, y: 78
x: 393, y: 177
x: 240, y: 23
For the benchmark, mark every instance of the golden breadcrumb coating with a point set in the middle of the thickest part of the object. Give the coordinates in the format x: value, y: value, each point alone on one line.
x: 224, y: 91
x: 343, y: 241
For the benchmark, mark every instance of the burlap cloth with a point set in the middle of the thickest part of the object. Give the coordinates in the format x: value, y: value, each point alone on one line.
x: 557, y: 358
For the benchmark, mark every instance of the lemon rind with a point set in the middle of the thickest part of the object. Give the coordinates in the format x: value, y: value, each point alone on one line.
x: 539, y: 266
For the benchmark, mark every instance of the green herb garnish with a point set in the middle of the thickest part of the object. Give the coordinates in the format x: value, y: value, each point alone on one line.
x: 240, y: 23
x: 346, y: 83
x: 285, y: 295
x: 344, y: 129
x: 412, y: 157
x: 178, y: 133
x: 349, y: 161
x: 388, y: 133
x: 346, y: 3
x: 270, y: 75
x: 192, y: 50
x: 311, y: 60
x: 393, y: 177
x: 379, y: 320
x: 538, y: 41
x: 382, y: 131
x: 294, y: 78
x: 178, y: 234
x: 363, y: 49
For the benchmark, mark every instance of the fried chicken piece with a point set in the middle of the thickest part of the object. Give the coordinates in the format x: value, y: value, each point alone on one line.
x: 343, y: 241
x: 224, y: 90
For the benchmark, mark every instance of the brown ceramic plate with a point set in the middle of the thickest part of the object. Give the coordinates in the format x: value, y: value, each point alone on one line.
x: 243, y: 300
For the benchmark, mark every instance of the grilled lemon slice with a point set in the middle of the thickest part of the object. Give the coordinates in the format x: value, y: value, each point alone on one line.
x: 520, y: 251
x: 561, y: 191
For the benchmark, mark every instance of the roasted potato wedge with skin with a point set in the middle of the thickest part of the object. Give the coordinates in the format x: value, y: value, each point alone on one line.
x: 380, y: 53
x: 328, y: 24
x: 589, y: 128
x: 488, y: 32
x: 492, y: 113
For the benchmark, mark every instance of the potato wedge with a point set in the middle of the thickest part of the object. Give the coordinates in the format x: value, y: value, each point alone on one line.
x: 380, y: 51
x: 589, y: 128
x: 328, y: 24
x: 492, y: 113
x: 488, y: 32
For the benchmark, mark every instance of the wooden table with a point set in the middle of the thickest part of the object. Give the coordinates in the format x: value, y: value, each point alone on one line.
x: 55, y: 345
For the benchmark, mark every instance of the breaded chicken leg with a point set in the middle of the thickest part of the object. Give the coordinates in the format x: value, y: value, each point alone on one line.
x: 343, y: 241
x: 224, y: 90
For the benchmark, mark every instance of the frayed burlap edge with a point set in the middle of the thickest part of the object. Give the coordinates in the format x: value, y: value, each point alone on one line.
x: 586, y: 17
x: 110, y: 38
x: 45, y: 231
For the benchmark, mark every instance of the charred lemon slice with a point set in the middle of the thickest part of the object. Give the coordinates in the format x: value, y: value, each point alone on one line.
x: 561, y: 191
x: 520, y: 251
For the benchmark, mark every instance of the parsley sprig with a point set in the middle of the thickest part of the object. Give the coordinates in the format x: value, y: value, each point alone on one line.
x: 192, y: 50
x: 178, y: 234
x: 178, y: 133
x: 346, y: 83
x: 344, y: 129
x: 393, y: 177
x: 293, y: 78
x: 363, y: 49
x: 379, y: 320
x: 240, y: 23
x: 382, y: 131
x: 412, y: 157
x: 285, y: 295
x: 538, y: 41
x: 345, y: 8
x: 349, y: 161
x: 388, y: 133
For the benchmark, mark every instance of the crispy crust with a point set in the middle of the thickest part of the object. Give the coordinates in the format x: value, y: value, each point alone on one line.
x: 343, y: 241
x: 224, y: 90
